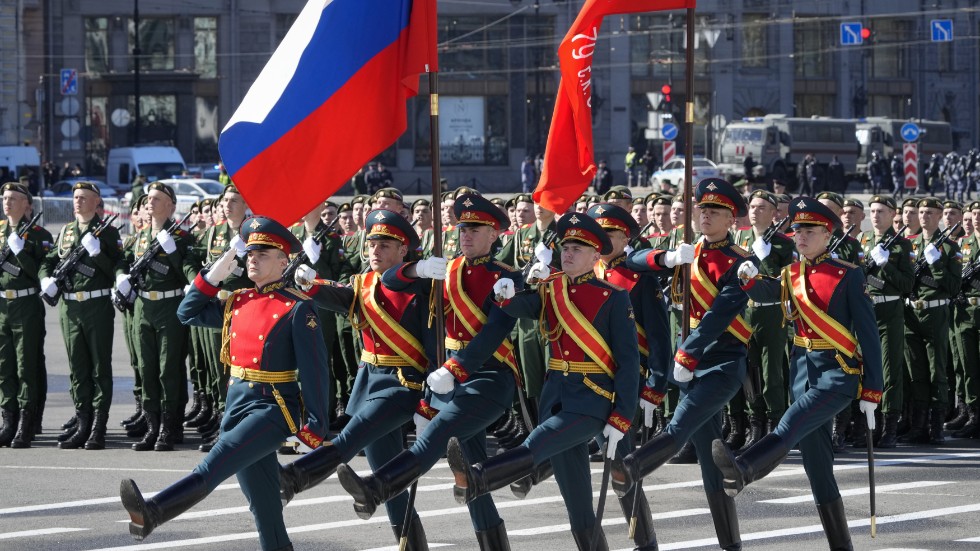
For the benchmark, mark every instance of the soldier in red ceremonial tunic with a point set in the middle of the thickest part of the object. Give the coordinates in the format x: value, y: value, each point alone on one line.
x: 709, y: 364
x: 591, y: 385
x: 832, y: 313
x: 272, y: 343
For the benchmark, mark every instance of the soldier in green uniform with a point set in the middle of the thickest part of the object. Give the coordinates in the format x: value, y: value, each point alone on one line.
x: 21, y: 317
x: 621, y: 196
x: 135, y: 424
x: 218, y: 239
x: 767, y: 346
x: 197, y: 364
x: 324, y: 247
x: 422, y: 221
x: 889, y: 280
x: 910, y: 216
x: 161, y: 338
x: 850, y: 249
x: 86, y: 314
x: 967, y: 331
x: 927, y: 326
x: 953, y: 215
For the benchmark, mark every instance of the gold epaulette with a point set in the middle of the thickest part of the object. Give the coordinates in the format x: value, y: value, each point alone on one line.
x: 506, y: 267
x: 612, y: 286
x: 297, y: 293
x: 845, y: 263
x: 740, y: 251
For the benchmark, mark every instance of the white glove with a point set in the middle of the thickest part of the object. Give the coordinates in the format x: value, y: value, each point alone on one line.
x: 648, y: 410
x: 166, y: 241
x: 238, y: 245
x: 613, y: 436
x: 421, y: 421
x: 312, y: 249
x: 187, y: 288
x: 304, y: 276
x: 683, y: 254
x: 48, y: 286
x: 222, y: 268
x: 92, y: 245
x: 868, y: 409
x: 682, y: 374
x: 543, y: 253
x: 15, y: 243
x: 835, y: 256
x: 540, y: 270
x: 441, y: 381
x: 299, y: 445
x: 761, y: 249
x: 932, y: 254
x: 880, y: 255
x: 503, y: 289
x: 123, y: 285
x: 628, y: 250
x: 433, y: 267
x: 747, y: 271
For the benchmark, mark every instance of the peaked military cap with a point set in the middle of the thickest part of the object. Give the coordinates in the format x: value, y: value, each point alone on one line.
x: 261, y: 232
x: 833, y: 197
x: 162, y: 187
x: 886, y: 200
x: 612, y: 217
x: 476, y: 210
x: 719, y: 193
x: 88, y: 186
x: 763, y: 194
x: 582, y: 228
x: 808, y: 211
x: 385, y: 224
x: 465, y: 190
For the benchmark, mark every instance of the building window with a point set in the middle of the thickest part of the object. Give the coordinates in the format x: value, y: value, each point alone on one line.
x: 472, y: 47
x: 472, y: 131
x: 755, y: 44
x: 205, y: 46
x: 206, y: 130
x: 156, y: 41
x: 158, y: 118
x: 890, y: 52
x: 97, y: 127
x: 812, y: 49
x: 894, y: 107
x: 809, y: 105
x: 283, y: 23
x: 657, y: 45
x: 96, y: 45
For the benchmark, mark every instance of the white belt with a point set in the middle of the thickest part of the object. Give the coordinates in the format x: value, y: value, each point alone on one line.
x: 160, y: 295
x: 79, y: 296
x: 923, y: 304
x: 10, y: 295
x: 880, y: 299
x: 754, y: 304
x: 224, y: 294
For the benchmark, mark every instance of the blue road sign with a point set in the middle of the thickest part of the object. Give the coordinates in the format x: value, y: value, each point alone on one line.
x: 850, y: 34
x: 910, y: 132
x: 942, y: 30
x: 669, y: 131
x: 69, y: 82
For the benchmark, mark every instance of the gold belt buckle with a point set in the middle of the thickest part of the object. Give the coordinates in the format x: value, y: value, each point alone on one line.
x: 372, y: 358
x: 565, y: 367
x: 80, y: 296
x: 919, y: 304
x: 154, y: 295
x: 808, y: 342
x: 972, y: 301
x: 10, y: 295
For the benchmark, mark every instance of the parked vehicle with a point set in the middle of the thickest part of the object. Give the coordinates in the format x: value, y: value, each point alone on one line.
x: 62, y: 188
x: 153, y: 162
x: 673, y: 170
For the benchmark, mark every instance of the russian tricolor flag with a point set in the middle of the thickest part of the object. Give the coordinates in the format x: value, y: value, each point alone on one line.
x: 330, y: 99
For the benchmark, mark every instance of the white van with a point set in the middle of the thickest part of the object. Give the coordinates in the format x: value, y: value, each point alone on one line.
x: 17, y: 161
x: 152, y: 161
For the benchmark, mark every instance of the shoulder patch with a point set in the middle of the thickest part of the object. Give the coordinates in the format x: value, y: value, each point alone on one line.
x: 740, y: 251
x: 613, y: 286
x: 845, y: 263
x: 505, y: 267
x: 296, y: 293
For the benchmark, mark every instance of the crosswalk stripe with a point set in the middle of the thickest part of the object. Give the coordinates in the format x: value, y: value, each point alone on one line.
x: 864, y: 490
x: 40, y: 532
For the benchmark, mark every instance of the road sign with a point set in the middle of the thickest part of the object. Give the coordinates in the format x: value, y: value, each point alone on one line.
x: 669, y: 131
x: 942, y: 30
x: 910, y: 152
x: 670, y: 149
x: 850, y: 34
x: 69, y: 82
x: 910, y: 131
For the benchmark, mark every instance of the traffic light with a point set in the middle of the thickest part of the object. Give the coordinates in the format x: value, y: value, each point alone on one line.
x: 665, y: 90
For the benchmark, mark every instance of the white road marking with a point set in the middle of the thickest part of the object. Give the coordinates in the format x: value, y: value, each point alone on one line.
x: 40, y: 532
x: 862, y: 491
x: 84, y: 502
x: 605, y: 522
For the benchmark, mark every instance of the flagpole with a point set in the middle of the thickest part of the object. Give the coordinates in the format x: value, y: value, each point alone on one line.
x: 688, y: 173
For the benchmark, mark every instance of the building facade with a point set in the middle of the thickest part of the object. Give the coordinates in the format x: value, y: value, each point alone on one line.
x: 498, y: 75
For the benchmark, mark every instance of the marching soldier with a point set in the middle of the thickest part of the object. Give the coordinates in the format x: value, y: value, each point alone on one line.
x: 621, y: 196
x: 87, y: 314
x: 21, y: 317
x: 394, y: 364
x: 713, y: 355
x: 266, y: 326
x: 473, y: 387
x: 135, y: 424
x: 910, y: 217
x: 832, y: 315
x: 849, y: 250
x: 967, y: 333
x: 889, y: 280
x: 161, y: 340
x: 592, y: 381
x: 767, y: 347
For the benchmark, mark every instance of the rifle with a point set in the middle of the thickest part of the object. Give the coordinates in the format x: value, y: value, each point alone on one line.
x: 767, y: 237
x: 137, y: 271
x: 68, y: 265
x: 552, y: 237
x: 920, y: 263
x: 833, y: 248
x: 968, y: 281
x: 302, y: 257
x: 886, y: 243
x: 639, y: 235
x: 5, y: 253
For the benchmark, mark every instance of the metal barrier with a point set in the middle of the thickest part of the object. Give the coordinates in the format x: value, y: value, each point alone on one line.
x: 58, y: 211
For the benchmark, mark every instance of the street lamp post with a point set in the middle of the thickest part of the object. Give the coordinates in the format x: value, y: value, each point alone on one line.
x: 136, y: 68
